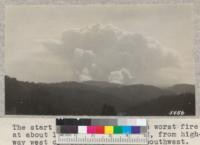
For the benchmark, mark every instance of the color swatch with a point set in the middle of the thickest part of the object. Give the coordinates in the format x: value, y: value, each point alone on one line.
x: 102, y: 122
x: 70, y: 129
x: 101, y: 126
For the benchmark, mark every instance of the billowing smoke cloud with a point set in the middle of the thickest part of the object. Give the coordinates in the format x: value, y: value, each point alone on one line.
x: 85, y: 75
x: 121, y: 76
x: 106, y: 53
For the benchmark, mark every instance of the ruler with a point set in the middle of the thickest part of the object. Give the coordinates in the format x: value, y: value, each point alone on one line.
x: 101, y: 139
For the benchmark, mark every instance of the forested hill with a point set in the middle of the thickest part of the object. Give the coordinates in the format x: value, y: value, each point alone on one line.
x: 96, y: 98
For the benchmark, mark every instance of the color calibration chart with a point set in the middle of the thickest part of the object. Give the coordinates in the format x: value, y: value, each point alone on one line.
x: 101, y: 131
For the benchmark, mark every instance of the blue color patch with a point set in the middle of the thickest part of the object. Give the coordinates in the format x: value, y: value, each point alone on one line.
x: 126, y: 129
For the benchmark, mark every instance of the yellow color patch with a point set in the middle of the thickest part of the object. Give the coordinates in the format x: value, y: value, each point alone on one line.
x: 108, y: 129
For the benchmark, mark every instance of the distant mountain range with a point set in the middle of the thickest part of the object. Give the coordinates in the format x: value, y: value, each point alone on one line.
x: 96, y: 98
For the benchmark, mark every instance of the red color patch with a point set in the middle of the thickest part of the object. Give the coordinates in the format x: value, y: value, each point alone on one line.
x: 99, y: 129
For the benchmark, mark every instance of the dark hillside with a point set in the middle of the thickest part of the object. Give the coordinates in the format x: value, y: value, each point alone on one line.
x: 95, y: 98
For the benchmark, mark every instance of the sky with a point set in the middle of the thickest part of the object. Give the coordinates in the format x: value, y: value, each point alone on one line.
x: 125, y: 44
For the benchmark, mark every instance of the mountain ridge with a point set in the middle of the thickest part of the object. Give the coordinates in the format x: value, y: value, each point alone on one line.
x: 78, y: 98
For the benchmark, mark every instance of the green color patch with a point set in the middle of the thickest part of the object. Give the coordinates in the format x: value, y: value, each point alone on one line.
x: 118, y: 130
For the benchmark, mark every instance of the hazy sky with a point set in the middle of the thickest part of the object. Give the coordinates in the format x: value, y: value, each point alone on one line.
x: 150, y: 44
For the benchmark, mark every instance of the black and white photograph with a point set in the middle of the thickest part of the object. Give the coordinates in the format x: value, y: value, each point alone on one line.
x: 100, y: 60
